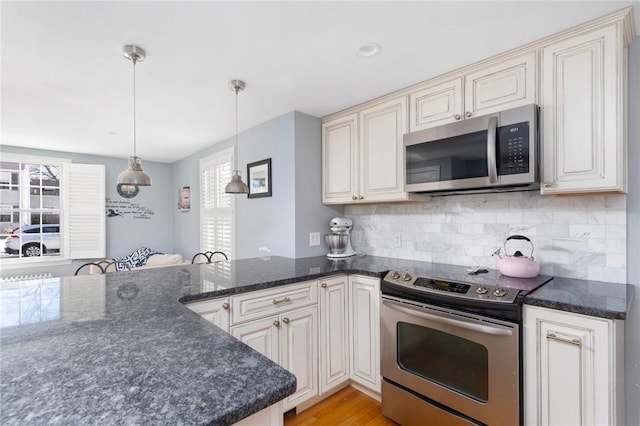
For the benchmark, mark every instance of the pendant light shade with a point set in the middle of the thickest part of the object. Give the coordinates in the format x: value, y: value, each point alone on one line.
x: 134, y: 176
x: 236, y: 186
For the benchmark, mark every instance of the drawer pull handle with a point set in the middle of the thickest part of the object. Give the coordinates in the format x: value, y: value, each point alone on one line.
x: 276, y: 323
x: 283, y: 300
x: 285, y: 320
x: 225, y: 306
x: 323, y: 285
x: 566, y: 339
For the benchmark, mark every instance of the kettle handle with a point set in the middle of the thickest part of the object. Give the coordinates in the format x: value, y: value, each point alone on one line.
x: 519, y: 237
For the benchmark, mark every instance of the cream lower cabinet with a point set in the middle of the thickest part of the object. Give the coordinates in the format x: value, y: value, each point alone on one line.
x: 573, y: 369
x: 214, y: 310
x: 364, y: 323
x: 584, y: 86
x: 282, y: 324
x: 334, y: 332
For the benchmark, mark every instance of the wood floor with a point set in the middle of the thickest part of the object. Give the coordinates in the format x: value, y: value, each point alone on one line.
x: 346, y: 407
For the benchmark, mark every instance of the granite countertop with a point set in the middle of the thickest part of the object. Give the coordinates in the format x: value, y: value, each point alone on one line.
x: 122, y: 348
x: 594, y: 298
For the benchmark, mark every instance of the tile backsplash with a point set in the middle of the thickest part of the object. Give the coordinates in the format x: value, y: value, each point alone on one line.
x: 574, y: 236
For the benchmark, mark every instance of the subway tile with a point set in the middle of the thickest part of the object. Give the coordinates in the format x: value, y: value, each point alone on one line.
x: 587, y: 231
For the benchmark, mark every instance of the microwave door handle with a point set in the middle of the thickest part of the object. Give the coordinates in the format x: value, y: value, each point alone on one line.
x: 482, y: 328
x: 491, y: 149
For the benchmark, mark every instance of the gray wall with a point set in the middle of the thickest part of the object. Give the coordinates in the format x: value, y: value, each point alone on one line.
x: 311, y: 214
x: 632, y: 330
x: 186, y: 225
x: 280, y: 223
x: 124, y: 234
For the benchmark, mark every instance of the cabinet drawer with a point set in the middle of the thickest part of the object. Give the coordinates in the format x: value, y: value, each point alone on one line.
x: 260, y: 304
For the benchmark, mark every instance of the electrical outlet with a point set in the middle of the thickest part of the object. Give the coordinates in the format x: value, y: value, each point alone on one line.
x: 397, y: 241
x: 314, y: 239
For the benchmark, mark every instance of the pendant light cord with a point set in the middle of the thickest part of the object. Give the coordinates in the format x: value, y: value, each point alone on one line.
x: 237, y: 90
x: 134, y: 60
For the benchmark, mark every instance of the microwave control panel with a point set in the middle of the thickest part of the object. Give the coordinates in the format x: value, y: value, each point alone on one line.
x: 513, y: 149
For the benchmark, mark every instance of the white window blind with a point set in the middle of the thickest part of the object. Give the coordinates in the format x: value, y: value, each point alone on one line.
x: 216, y: 209
x: 86, y: 211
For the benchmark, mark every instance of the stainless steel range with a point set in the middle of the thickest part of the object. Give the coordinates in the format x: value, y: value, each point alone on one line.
x: 451, y: 347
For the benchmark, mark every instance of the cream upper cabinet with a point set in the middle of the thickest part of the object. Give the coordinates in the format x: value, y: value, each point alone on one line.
x: 381, y: 157
x: 362, y: 155
x: 584, y: 112
x: 573, y: 369
x: 492, y: 87
x: 340, y: 160
x: 506, y: 84
x: 435, y: 104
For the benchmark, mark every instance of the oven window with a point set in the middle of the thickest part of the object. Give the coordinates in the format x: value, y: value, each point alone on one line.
x: 451, y: 361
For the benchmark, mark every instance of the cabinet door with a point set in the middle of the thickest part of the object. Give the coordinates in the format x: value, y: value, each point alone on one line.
x: 299, y: 352
x: 435, y: 105
x: 339, y: 160
x: 381, y: 150
x: 508, y: 84
x: 334, y: 335
x: 261, y: 335
x: 570, y: 369
x: 215, y: 311
x: 583, y: 137
x: 364, y: 318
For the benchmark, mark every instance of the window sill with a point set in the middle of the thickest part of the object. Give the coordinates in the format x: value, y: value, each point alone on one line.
x: 13, y: 264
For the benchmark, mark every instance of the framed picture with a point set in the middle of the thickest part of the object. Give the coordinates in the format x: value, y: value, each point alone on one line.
x: 184, y: 199
x: 259, y: 178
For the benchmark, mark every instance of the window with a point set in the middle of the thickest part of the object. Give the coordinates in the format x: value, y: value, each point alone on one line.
x: 216, y: 209
x: 47, y: 206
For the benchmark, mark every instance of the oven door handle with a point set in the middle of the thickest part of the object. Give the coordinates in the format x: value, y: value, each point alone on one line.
x: 487, y: 329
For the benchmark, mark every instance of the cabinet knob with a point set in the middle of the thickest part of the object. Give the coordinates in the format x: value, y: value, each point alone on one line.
x: 547, y: 185
x: 225, y: 306
x: 467, y: 114
x: 285, y: 320
x: 354, y: 198
x: 323, y: 285
x: 457, y: 116
x: 276, y: 323
x: 360, y: 197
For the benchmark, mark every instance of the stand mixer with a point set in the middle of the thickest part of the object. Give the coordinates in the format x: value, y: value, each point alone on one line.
x: 339, y: 241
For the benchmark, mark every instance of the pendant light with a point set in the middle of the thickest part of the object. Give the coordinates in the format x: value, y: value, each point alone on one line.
x: 236, y: 186
x: 130, y: 179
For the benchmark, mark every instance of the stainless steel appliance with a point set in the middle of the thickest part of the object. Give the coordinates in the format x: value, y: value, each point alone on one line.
x: 495, y: 152
x: 451, y: 346
x: 339, y: 241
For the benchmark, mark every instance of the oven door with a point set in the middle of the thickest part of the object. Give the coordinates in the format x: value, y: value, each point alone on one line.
x: 465, y: 362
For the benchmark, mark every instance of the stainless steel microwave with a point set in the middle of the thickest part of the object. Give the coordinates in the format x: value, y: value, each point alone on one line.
x: 491, y: 153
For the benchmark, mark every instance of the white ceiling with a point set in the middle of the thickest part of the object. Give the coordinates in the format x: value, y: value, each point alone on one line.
x: 65, y: 85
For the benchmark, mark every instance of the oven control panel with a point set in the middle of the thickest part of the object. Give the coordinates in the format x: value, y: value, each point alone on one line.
x: 485, y: 292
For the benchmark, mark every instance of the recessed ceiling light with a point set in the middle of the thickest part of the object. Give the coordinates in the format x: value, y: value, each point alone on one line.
x: 369, y: 49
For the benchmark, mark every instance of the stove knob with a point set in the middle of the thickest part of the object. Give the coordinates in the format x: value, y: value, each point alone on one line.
x: 499, y: 292
x: 406, y: 277
x: 481, y: 290
x: 395, y: 275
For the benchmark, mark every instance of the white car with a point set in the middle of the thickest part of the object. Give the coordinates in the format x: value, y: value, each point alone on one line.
x: 31, y: 243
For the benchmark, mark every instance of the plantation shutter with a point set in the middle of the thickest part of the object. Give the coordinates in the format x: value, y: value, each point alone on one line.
x: 216, y: 214
x: 85, y: 233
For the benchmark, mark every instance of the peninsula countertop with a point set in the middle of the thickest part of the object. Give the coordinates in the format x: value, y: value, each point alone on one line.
x: 122, y: 348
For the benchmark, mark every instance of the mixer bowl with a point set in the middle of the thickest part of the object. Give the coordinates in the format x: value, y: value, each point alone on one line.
x: 337, y: 243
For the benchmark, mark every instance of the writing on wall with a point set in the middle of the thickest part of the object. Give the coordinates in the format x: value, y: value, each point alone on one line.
x: 126, y: 208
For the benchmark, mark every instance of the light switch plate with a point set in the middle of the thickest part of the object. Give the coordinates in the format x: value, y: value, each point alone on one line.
x: 314, y: 239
